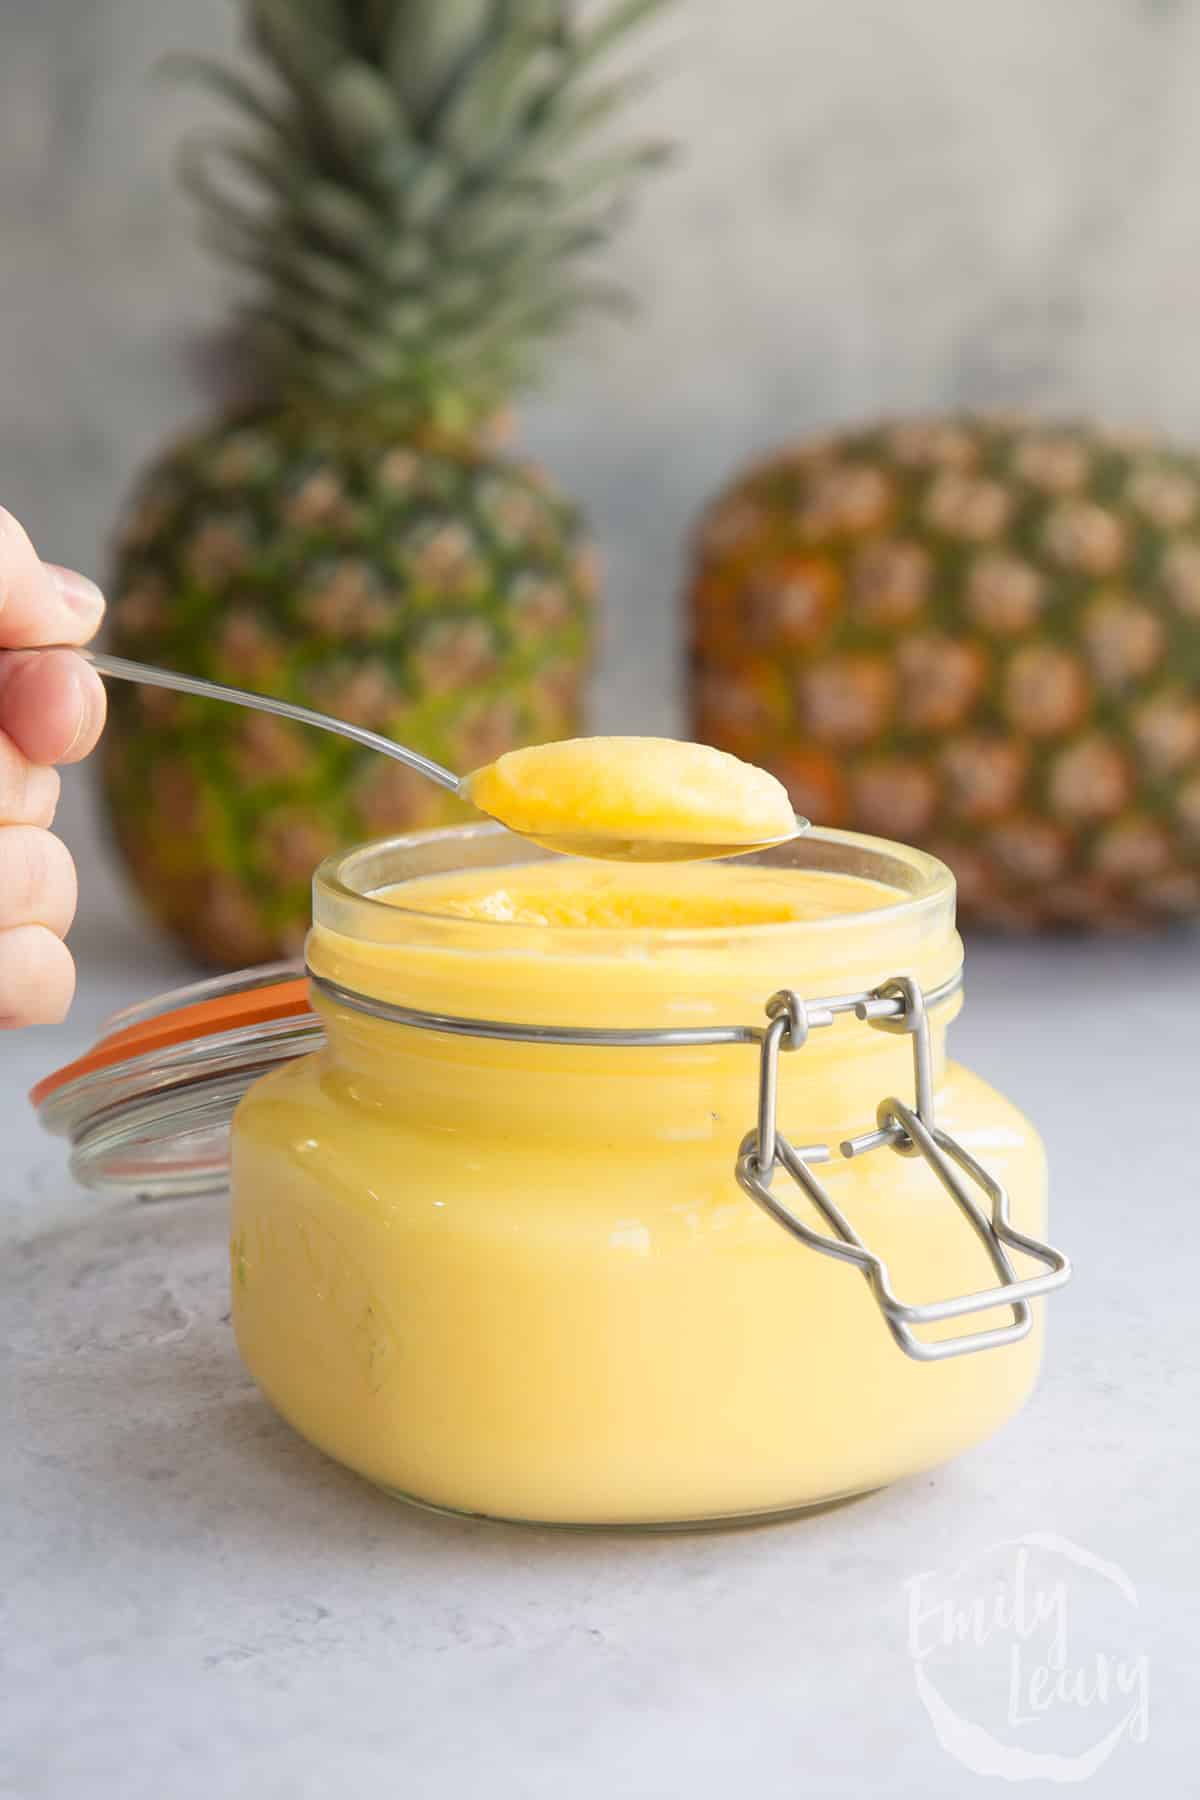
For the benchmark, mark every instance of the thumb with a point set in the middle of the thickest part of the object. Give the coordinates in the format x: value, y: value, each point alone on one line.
x: 39, y: 602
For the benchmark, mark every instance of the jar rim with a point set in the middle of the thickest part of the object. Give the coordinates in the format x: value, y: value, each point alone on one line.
x: 347, y: 888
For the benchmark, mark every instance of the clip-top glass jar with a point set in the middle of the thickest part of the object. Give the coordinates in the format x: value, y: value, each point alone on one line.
x: 556, y: 1225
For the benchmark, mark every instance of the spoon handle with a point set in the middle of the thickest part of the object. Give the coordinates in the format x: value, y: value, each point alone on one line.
x: 124, y: 670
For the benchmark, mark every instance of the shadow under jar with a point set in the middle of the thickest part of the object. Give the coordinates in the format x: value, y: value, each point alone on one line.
x: 512, y: 1242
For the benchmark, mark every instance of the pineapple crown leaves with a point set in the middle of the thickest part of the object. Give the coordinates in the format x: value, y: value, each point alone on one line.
x: 411, y: 193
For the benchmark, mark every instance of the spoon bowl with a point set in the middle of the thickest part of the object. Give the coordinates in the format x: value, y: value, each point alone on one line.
x: 602, y: 848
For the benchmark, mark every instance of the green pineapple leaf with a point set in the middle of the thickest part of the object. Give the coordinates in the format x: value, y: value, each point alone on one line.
x: 413, y: 195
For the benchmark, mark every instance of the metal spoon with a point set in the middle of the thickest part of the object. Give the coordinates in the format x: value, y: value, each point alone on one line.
x: 581, y: 843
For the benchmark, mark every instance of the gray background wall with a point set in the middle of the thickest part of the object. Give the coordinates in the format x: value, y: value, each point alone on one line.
x: 892, y: 204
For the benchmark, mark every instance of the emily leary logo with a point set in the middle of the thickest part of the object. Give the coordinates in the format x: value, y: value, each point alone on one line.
x: 1028, y: 1660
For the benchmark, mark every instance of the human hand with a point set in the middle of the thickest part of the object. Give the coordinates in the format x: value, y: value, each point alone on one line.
x: 51, y: 711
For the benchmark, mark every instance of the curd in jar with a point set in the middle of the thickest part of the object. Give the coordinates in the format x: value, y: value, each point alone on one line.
x: 519, y: 1278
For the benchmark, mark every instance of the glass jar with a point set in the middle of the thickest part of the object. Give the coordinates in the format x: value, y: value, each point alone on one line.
x: 554, y: 1226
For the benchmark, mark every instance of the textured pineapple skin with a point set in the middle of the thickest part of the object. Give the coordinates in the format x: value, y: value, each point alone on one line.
x: 439, y: 593
x: 979, y: 635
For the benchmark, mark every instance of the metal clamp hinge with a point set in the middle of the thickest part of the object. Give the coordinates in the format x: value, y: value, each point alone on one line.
x: 896, y: 1005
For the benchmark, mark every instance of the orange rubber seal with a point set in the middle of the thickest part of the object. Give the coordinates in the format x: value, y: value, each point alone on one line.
x: 205, y: 1018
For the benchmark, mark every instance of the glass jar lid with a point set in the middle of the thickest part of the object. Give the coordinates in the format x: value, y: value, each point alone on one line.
x: 147, y: 1109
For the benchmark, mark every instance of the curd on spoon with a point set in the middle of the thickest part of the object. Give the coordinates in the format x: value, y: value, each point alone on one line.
x: 635, y: 799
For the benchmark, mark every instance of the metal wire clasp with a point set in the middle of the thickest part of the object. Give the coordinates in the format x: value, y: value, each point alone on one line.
x: 879, y: 1011
x: 791, y: 1022
x: 896, y: 1005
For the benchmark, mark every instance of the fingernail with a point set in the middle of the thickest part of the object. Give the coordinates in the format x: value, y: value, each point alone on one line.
x: 84, y: 720
x: 81, y: 595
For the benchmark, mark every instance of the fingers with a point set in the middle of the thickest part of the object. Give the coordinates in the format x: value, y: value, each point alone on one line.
x: 51, y: 710
x: 37, y: 977
x: 41, y: 603
x: 52, y: 705
x: 38, y: 893
x: 38, y: 884
x: 28, y: 794
x: 38, y: 890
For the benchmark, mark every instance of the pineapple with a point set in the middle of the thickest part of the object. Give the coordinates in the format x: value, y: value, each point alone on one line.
x: 981, y: 635
x: 415, y: 200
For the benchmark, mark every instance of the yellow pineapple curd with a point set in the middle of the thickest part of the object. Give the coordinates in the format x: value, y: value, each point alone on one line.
x: 633, y: 796
x: 520, y: 1279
